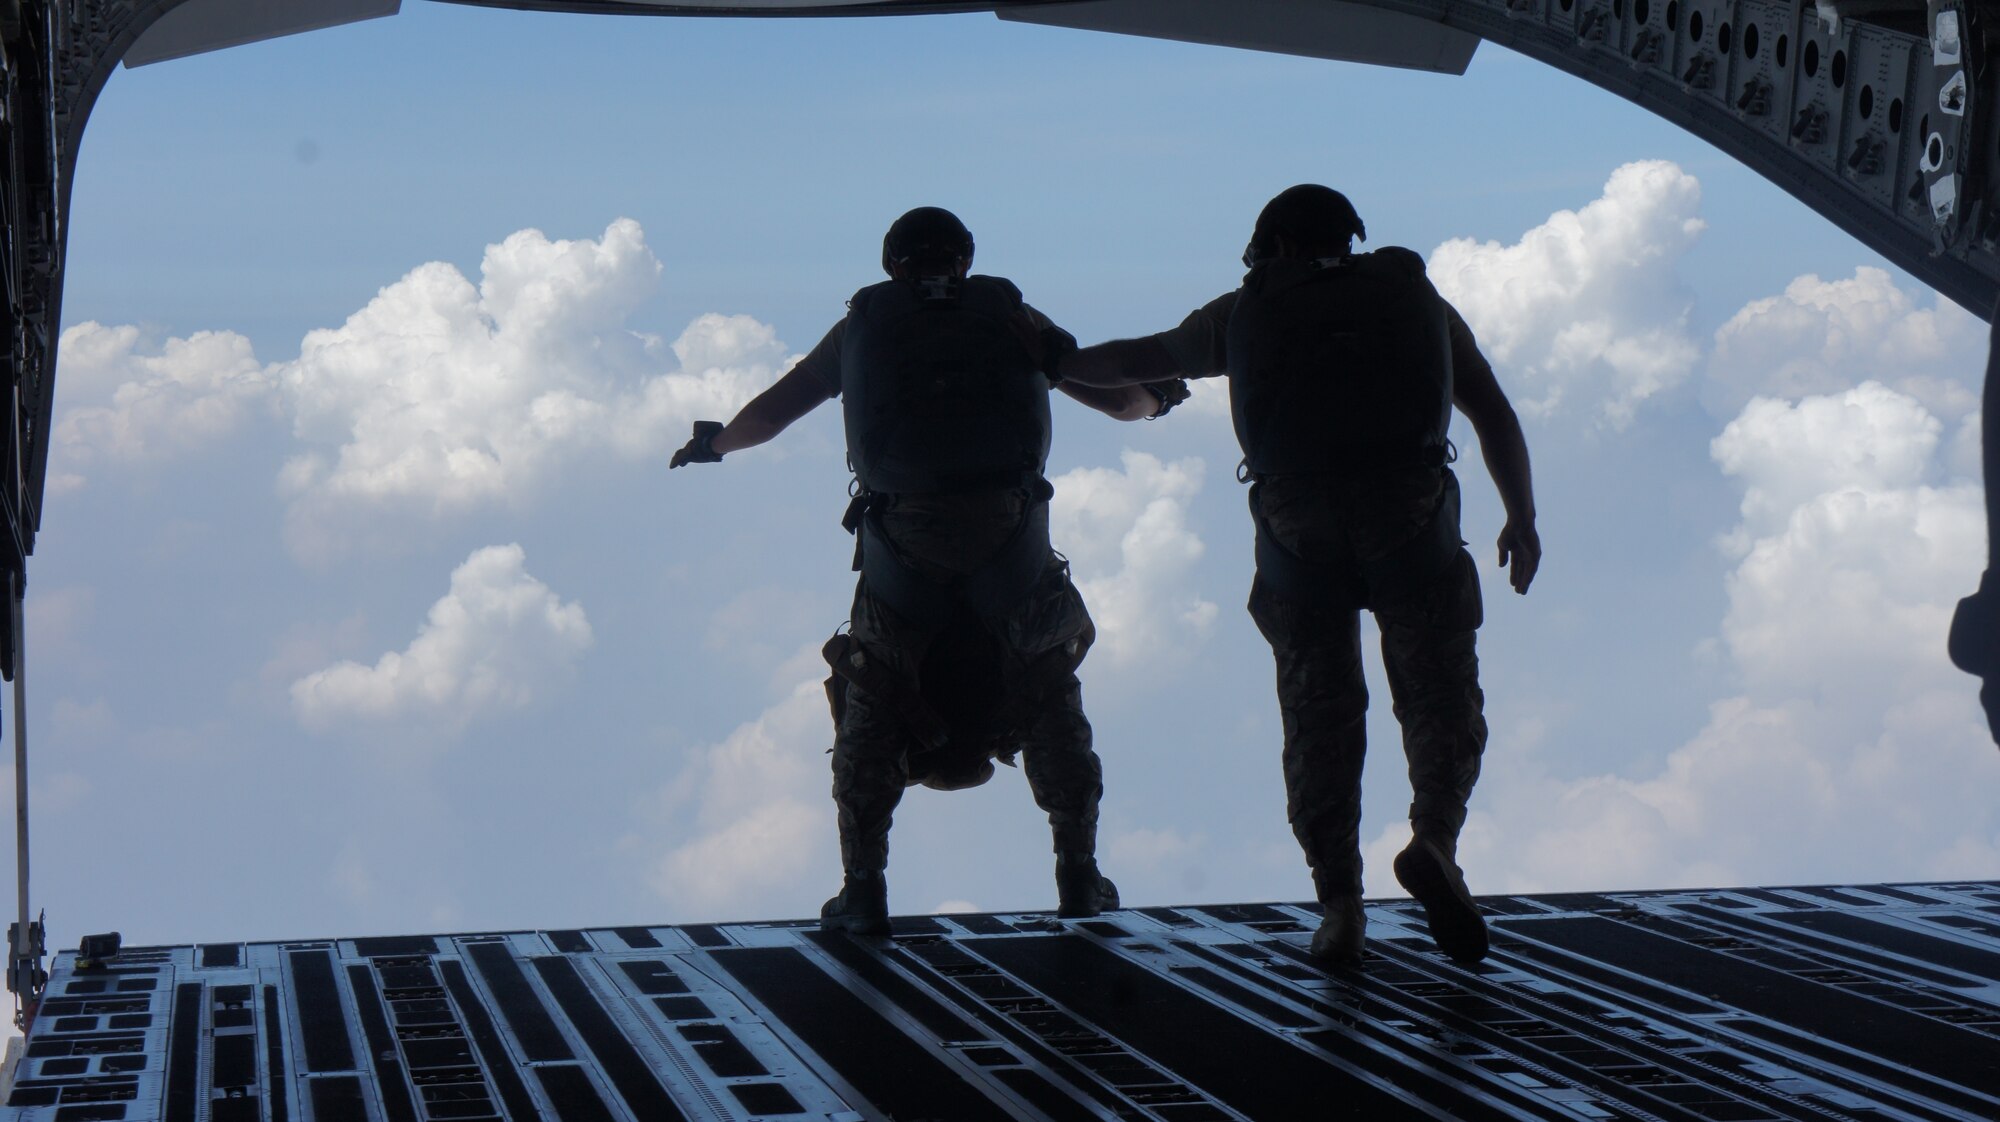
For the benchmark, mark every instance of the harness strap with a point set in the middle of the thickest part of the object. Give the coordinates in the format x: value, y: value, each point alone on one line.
x: 1429, y: 456
x: 990, y: 591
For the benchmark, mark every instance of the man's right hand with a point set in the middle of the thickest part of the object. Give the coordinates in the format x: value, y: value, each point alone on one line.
x: 1170, y: 392
x: 1520, y: 544
x: 701, y: 448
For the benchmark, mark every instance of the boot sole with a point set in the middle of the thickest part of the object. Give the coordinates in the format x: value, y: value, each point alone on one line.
x: 854, y: 925
x: 1334, y: 956
x: 1453, y: 917
x: 836, y: 918
x: 1107, y: 901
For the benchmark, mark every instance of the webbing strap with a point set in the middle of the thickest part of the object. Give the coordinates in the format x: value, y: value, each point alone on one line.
x: 1429, y: 456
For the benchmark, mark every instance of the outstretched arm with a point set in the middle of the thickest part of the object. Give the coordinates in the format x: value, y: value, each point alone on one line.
x: 804, y: 388
x: 1121, y: 362
x: 1504, y: 448
x: 1151, y: 394
x: 771, y: 412
x: 1192, y: 350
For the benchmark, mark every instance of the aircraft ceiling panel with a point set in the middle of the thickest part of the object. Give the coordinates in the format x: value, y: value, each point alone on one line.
x: 1331, y: 29
x: 1344, y: 32
x: 199, y: 26
x: 737, y: 6
x: 758, y: 7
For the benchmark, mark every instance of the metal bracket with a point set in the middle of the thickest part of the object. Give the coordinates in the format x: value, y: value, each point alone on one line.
x: 27, y: 977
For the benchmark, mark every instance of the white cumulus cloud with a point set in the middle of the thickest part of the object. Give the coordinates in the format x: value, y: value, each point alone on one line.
x: 124, y: 400
x: 755, y: 821
x: 1846, y: 584
x: 439, y: 397
x: 1852, y: 749
x: 1152, y: 848
x: 443, y: 396
x: 494, y: 642
x: 1587, y: 314
x: 1821, y: 337
x: 1132, y: 554
x: 723, y: 361
x: 1870, y: 438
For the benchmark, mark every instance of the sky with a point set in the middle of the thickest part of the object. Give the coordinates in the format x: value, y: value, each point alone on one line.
x: 364, y: 601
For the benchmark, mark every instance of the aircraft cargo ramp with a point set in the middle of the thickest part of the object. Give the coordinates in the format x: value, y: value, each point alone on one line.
x: 1869, y: 1002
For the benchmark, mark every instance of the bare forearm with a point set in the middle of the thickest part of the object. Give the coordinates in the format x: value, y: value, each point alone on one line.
x: 771, y: 412
x: 747, y: 429
x: 1505, y: 450
x: 1478, y: 395
x: 1124, y: 403
x: 1121, y: 362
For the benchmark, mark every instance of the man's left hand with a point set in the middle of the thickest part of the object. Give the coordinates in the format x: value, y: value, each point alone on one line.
x: 1522, y: 546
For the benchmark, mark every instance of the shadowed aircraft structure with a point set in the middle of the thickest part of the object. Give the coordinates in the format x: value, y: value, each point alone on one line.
x: 1865, y: 1003
x: 1870, y: 1002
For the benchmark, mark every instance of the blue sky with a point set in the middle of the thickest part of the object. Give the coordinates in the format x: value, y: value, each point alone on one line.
x: 396, y: 622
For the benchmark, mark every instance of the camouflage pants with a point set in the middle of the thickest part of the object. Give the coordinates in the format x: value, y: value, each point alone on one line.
x: 1038, y: 714
x: 871, y: 766
x: 1433, y: 670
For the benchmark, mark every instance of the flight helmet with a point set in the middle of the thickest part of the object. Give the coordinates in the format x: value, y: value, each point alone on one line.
x: 928, y: 236
x: 1317, y: 221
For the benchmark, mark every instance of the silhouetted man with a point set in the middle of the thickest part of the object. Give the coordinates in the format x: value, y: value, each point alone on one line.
x: 1341, y: 379
x: 966, y: 631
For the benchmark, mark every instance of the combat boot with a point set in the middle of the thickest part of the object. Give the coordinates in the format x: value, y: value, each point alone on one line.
x: 1427, y: 871
x: 1082, y: 891
x: 1342, y: 925
x: 862, y: 908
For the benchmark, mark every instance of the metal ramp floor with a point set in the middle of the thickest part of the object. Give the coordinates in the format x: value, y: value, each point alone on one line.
x: 1869, y: 1002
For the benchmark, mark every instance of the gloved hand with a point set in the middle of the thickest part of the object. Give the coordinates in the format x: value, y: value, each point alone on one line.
x: 1974, y: 645
x: 701, y: 448
x: 1171, y: 392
